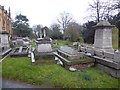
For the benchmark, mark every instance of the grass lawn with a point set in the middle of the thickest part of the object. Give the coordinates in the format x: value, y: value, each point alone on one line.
x: 33, y: 44
x: 54, y: 75
x: 59, y: 43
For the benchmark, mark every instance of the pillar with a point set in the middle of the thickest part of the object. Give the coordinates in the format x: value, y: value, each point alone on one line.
x: 103, y: 35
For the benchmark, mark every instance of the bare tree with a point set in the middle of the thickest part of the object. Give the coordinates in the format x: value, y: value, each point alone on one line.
x: 74, y: 32
x: 64, y: 19
x: 102, y: 9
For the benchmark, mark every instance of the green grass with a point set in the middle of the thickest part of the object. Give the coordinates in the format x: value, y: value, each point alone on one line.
x: 59, y: 43
x: 54, y: 75
x: 115, y: 38
x: 33, y: 44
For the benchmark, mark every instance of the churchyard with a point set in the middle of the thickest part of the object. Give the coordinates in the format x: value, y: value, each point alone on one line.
x: 63, y: 64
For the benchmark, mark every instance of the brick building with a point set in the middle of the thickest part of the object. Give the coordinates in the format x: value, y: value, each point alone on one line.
x: 5, y: 27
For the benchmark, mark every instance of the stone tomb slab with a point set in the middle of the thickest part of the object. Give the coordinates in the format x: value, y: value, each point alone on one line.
x: 20, y: 52
x: 70, y: 56
x: 69, y: 50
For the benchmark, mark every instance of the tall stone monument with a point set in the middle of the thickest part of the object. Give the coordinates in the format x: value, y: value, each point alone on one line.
x: 43, y: 52
x: 103, y: 35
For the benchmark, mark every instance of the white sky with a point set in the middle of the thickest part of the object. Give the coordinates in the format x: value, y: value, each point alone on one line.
x: 46, y: 12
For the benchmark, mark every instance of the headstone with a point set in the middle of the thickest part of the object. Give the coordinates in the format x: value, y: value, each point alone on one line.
x: 103, y: 35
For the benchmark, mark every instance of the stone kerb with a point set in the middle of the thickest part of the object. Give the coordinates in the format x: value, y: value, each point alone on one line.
x: 82, y: 49
x: 109, y: 55
x: 99, y: 53
x: 117, y: 56
x: 86, y: 49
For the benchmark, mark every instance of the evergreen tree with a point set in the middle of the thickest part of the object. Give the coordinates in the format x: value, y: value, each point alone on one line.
x: 21, y: 27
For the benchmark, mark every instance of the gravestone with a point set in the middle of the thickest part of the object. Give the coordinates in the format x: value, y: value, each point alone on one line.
x: 103, y: 35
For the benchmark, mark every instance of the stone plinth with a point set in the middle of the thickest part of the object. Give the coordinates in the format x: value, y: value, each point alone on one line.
x: 103, y: 35
x: 4, y: 41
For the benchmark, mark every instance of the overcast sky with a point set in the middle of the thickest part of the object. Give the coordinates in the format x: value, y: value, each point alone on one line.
x: 46, y: 12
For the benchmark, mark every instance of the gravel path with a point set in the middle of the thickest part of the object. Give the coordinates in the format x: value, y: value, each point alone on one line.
x: 14, y: 84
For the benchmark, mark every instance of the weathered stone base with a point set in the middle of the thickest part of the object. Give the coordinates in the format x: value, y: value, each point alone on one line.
x: 108, y: 66
x: 44, y: 59
x: 113, y: 72
x: 44, y: 56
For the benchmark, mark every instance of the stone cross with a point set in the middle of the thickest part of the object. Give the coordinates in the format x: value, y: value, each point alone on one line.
x: 103, y: 35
